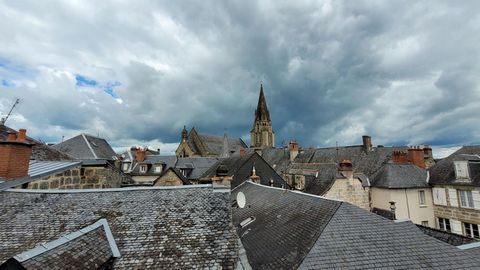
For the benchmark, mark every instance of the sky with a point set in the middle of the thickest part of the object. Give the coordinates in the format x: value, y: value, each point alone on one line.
x: 403, y: 72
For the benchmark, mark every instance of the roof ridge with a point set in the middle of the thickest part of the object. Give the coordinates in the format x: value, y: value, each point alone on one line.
x: 69, y: 191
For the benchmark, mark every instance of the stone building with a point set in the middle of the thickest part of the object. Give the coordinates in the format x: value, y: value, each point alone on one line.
x: 194, y: 144
x: 262, y: 134
x: 456, y: 192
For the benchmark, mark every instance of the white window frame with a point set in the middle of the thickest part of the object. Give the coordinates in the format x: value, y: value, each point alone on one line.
x: 143, y: 168
x: 444, y: 224
x: 461, y: 169
x: 425, y: 223
x: 471, y: 230
x: 126, y: 165
x: 465, y: 198
x: 158, y: 168
x: 422, y: 199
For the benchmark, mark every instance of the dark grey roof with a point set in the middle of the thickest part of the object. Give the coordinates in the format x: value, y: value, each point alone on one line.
x: 319, y: 177
x: 93, y: 247
x: 150, y: 160
x: 197, y: 166
x: 400, y: 176
x: 214, y: 144
x: 444, y: 172
x: 86, y: 146
x: 240, y: 167
x: 278, y: 158
x: 447, y: 237
x: 40, y: 151
x: 364, y: 162
x: 158, y: 228
x: 294, y: 229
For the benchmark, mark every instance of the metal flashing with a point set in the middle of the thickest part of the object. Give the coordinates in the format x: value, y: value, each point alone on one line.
x: 44, y: 247
x: 89, y: 146
x: 469, y: 246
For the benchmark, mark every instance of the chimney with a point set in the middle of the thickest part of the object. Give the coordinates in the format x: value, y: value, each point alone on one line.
x: 367, y: 143
x: 293, y: 150
x: 15, y: 156
x: 140, y: 155
x: 415, y: 156
x: 243, y: 151
x: 346, y: 168
x: 221, y: 178
x: 428, y: 156
x: 254, y: 177
x: 399, y: 157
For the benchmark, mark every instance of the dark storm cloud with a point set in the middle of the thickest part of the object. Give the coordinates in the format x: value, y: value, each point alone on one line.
x: 403, y: 72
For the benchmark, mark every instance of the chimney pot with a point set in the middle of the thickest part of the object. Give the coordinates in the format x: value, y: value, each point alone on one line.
x: 367, y: 143
x: 140, y: 155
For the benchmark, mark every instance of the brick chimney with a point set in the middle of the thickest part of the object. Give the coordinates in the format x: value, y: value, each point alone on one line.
x: 221, y: 177
x: 15, y: 155
x: 399, y: 157
x: 346, y: 168
x: 415, y: 156
x: 367, y: 143
x: 243, y: 151
x: 140, y: 155
x: 428, y: 156
x: 293, y: 150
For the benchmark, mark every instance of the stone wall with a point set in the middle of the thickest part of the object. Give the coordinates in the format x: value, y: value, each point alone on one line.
x: 80, y: 178
x: 469, y: 215
x: 351, y: 191
x: 169, y: 179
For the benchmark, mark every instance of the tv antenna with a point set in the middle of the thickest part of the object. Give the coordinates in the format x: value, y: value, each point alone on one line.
x: 4, y: 119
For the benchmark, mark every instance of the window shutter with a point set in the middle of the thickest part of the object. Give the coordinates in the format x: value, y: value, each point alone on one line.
x: 476, y: 199
x: 439, y: 196
x: 456, y: 226
x: 452, y: 193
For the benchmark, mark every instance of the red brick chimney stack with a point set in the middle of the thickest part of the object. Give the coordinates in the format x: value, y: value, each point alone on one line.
x: 293, y: 150
x: 15, y: 156
x: 399, y: 157
x: 140, y: 155
x: 416, y: 156
x: 346, y: 168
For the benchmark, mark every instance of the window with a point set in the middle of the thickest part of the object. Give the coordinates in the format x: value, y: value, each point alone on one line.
x: 421, y: 197
x: 143, y: 168
x: 425, y: 223
x: 466, y: 198
x: 471, y: 230
x: 444, y: 224
x: 158, y: 168
x: 461, y: 169
x: 126, y: 165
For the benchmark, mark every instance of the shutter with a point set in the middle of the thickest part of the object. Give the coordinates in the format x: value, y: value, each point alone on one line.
x: 456, y: 226
x: 476, y: 199
x: 452, y: 193
x: 439, y: 196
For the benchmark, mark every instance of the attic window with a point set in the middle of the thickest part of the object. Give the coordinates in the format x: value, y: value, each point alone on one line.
x: 143, y: 168
x: 461, y: 169
x: 247, y: 221
x: 158, y: 168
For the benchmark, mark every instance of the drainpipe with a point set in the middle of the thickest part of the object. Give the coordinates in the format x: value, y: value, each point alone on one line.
x: 408, y: 206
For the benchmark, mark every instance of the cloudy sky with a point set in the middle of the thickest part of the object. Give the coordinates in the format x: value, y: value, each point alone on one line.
x: 405, y: 73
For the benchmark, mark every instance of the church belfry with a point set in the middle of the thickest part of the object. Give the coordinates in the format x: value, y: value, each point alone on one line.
x: 262, y: 134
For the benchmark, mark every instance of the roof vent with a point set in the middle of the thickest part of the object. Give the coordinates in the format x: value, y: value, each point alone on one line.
x: 222, y: 170
x: 247, y: 221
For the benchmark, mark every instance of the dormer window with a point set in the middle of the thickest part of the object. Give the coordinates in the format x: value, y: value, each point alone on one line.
x: 126, y: 165
x: 143, y: 168
x: 158, y: 168
x: 461, y: 169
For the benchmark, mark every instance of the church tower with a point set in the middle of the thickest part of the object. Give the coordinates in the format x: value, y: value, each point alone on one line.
x: 262, y: 134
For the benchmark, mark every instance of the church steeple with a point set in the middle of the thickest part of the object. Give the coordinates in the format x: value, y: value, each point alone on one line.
x: 262, y: 134
x: 261, y: 113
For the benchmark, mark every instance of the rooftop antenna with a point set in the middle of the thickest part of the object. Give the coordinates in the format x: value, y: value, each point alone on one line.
x: 4, y: 119
x: 336, y: 144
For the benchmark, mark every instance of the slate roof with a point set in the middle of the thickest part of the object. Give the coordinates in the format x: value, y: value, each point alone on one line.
x: 160, y: 228
x: 40, y: 151
x: 444, y: 172
x: 240, y: 167
x: 92, y: 247
x: 364, y: 162
x: 278, y: 158
x: 400, y: 176
x: 150, y: 160
x: 86, y: 146
x: 297, y: 230
x: 214, y: 144
x: 197, y: 165
x: 177, y: 173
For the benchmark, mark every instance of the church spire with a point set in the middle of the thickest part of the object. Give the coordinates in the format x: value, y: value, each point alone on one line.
x: 261, y: 113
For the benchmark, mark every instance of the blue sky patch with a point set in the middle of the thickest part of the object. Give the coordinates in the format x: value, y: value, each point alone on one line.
x: 7, y: 83
x: 83, y: 81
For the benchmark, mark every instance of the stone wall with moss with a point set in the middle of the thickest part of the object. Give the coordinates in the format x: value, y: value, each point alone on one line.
x: 81, y: 178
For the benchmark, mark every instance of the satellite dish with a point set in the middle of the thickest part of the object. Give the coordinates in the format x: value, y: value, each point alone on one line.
x: 241, y: 200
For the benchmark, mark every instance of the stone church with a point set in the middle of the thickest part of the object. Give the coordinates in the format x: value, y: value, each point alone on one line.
x: 194, y: 144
